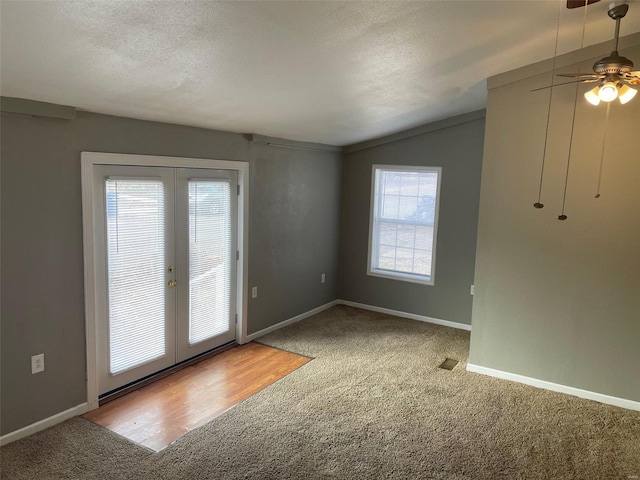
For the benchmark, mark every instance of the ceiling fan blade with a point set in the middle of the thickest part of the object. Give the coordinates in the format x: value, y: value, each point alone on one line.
x: 579, y: 3
x: 631, y: 77
x: 565, y: 83
x: 580, y: 75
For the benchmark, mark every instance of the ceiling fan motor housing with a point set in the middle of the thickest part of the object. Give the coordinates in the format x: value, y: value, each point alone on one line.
x: 614, y: 63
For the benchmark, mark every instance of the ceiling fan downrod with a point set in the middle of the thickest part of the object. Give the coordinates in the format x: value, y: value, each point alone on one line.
x: 614, y: 63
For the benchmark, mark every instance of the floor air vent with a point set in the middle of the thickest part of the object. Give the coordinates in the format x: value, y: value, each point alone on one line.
x: 448, y: 364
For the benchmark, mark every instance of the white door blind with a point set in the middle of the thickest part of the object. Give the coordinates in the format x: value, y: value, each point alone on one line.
x: 209, y: 258
x: 136, y: 271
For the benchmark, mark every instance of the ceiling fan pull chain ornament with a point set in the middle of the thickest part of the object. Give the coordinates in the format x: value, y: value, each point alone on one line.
x: 539, y: 204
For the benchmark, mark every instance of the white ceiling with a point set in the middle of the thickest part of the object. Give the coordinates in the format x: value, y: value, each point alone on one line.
x: 327, y: 71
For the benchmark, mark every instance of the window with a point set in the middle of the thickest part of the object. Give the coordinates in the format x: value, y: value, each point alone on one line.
x: 404, y: 221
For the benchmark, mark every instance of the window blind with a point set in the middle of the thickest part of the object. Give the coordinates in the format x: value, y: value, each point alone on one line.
x: 136, y: 271
x: 210, y: 258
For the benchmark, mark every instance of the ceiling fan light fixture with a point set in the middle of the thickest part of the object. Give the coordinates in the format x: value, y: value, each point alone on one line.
x: 592, y: 96
x: 626, y: 94
x: 608, y: 92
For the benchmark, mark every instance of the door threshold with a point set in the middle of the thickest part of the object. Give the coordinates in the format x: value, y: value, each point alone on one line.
x: 154, y: 377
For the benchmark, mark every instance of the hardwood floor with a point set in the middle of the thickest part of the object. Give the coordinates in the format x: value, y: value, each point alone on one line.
x: 158, y: 414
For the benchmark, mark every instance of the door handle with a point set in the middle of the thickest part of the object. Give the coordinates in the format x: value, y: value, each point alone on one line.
x: 172, y: 283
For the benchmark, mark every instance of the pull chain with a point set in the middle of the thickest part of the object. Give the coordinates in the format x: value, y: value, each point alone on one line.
x: 604, y: 140
x: 539, y: 204
x: 562, y: 215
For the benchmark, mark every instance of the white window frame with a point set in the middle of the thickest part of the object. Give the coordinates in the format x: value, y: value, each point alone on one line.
x: 391, y: 274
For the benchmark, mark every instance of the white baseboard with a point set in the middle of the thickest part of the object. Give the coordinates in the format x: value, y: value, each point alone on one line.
x: 289, y: 321
x: 45, y: 423
x: 84, y: 407
x: 556, y: 387
x: 397, y: 313
x: 412, y: 316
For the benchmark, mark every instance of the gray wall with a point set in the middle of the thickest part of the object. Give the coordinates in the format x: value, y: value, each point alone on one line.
x: 294, y: 231
x: 294, y: 195
x: 559, y: 301
x: 457, y: 148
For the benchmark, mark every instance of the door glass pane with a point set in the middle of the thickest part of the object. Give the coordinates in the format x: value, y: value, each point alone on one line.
x: 136, y: 271
x: 209, y: 258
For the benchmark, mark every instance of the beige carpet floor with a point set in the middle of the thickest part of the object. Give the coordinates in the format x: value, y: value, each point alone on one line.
x: 373, y: 404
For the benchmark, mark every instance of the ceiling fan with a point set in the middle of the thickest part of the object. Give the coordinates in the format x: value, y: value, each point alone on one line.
x: 614, y: 75
x: 614, y: 72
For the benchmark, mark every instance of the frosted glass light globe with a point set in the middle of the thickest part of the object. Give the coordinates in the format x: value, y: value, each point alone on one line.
x: 626, y: 94
x: 608, y: 92
x: 592, y: 96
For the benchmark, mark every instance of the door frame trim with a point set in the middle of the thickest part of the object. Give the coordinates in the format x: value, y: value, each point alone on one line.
x: 87, y: 162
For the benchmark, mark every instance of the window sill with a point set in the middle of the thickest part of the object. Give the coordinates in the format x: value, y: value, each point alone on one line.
x: 403, y: 277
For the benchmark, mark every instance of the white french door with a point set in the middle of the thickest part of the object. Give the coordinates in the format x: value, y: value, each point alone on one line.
x: 206, y: 227
x: 166, y: 260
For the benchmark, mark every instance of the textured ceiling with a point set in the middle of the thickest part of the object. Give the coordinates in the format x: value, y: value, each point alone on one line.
x: 327, y: 72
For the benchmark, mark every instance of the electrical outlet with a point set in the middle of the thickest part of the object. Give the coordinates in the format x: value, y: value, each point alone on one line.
x: 472, y: 289
x: 254, y: 292
x: 322, y: 278
x: 37, y: 363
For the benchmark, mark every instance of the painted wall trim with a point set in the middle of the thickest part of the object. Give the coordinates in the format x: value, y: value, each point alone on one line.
x: 289, y: 321
x: 283, y: 142
x: 44, y: 424
x: 412, y: 316
x: 555, y: 387
x: 23, y: 106
x: 422, y: 129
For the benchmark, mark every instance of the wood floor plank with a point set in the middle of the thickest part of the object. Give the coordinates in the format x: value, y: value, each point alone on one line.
x: 160, y: 413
